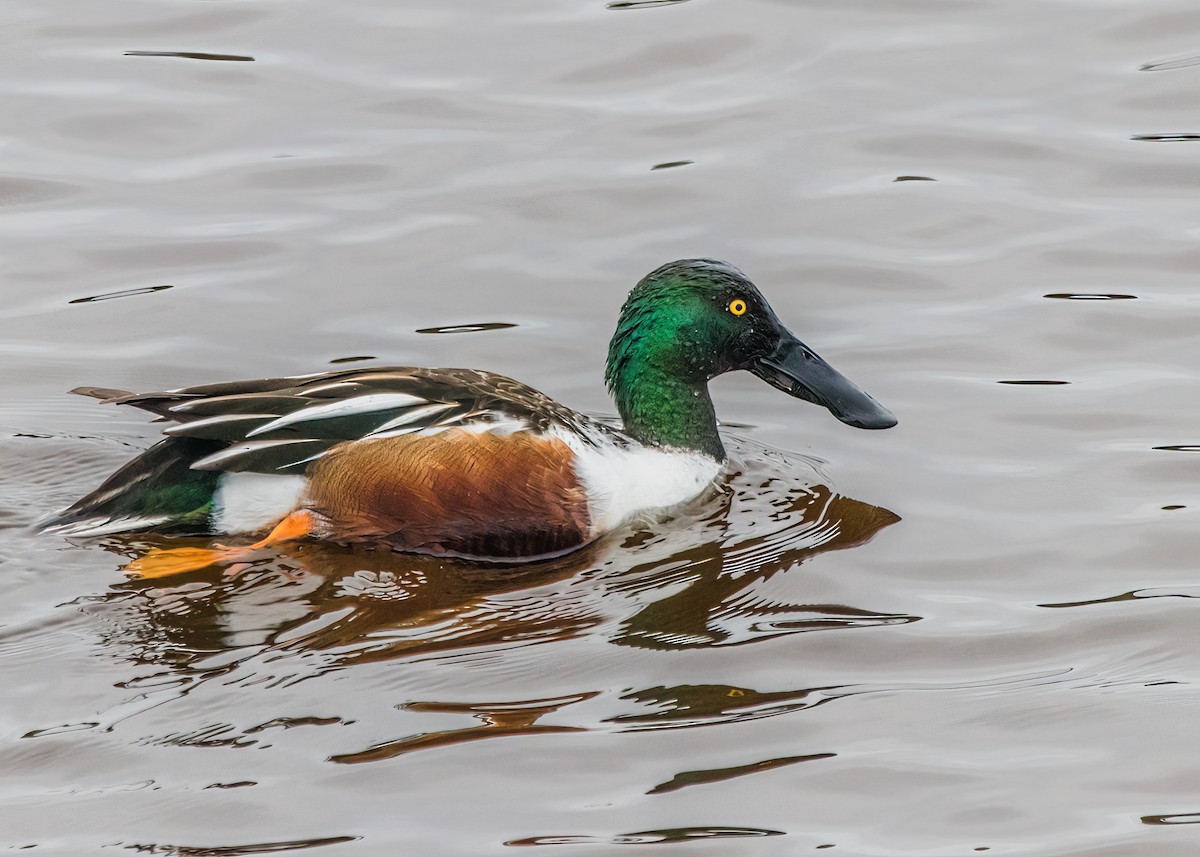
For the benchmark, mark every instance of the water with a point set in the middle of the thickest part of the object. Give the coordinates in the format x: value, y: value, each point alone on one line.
x: 970, y: 634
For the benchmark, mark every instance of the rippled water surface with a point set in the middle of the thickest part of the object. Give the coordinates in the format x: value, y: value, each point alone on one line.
x: 972, y: 633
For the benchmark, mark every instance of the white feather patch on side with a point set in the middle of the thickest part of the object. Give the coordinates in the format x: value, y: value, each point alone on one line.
x: 249, y: 502
x: 344, y: 408
x: 620, y: 482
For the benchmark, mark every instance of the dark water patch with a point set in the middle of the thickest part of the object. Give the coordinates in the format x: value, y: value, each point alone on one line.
x: 191, y: 55
x: 642, y: 4
x: 670, y: 165
x: 651, y: 837
x: 716, y: 775
x: 1176, y: 818
x: 1134, y: 595
x: 914, y: 179
x: 1089, y: 296
x: 1181, y: 137
x: 468, y: 328
x: 1167, y: 65
x: 1179, y: 447
x: 241, y: 850
x: 353, y: 359
x: 124, y: 293
x: 1035, y: 383
x: 239, y: 784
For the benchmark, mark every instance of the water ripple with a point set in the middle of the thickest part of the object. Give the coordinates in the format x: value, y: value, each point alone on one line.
x: 651, y: 837
x: 716, y: 775
x: 239, y: 850
x: 191, y: 55
x: 1166, y: 65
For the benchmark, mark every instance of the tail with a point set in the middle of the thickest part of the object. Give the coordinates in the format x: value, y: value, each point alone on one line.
x: 104, y: 394
x: 156, y: 490
x: 165, y: 562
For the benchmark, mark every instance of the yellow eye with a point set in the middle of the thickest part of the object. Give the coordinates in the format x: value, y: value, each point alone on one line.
x: 737, y: 306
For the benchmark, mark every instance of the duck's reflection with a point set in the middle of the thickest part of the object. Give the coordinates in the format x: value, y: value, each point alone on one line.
x: 661, y: 591
x: 692, y: 582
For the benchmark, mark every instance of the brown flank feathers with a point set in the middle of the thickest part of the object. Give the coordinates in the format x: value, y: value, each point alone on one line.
x: 487, y: 495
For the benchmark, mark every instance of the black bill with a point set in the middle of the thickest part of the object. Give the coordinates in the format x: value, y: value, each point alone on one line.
x: 797, y: 370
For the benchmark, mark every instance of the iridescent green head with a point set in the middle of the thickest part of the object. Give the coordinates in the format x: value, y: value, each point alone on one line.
x: 691, y: 320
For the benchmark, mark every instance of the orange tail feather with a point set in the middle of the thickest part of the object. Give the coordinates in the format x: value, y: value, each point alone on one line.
x: 165, y: 562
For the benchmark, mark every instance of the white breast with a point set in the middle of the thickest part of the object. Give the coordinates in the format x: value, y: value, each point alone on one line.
x: 622, y: 482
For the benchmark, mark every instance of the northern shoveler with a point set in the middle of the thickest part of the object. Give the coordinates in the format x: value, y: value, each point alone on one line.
x: 455, y: 461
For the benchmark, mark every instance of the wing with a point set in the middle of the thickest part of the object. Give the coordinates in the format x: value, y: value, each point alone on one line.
x: 282, y: 425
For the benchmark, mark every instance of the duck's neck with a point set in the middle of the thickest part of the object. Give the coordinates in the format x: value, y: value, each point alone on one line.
x: 663, y: 409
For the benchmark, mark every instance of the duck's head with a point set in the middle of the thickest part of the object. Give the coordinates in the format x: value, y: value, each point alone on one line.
x: 691, y: 320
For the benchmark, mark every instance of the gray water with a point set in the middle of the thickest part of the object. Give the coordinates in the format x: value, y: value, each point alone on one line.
x: 972, y: 632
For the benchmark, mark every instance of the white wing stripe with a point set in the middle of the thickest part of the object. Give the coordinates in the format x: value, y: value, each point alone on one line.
x: 239, y: 449
x: 183, y: 428
x: 411, y: 416
x: 347, y: 407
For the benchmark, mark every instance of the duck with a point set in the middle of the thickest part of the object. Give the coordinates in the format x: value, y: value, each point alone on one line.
x: 459, y: 462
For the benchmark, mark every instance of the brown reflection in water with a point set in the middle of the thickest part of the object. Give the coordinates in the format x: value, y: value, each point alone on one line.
x: 293, y: 722
x: 716, y: 775
x: 1135, y: 595
x: 1177, y: 818
x: 496, y: 721
x: 354, y: 359
x: 709, y: 612
x: 320, y: 597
